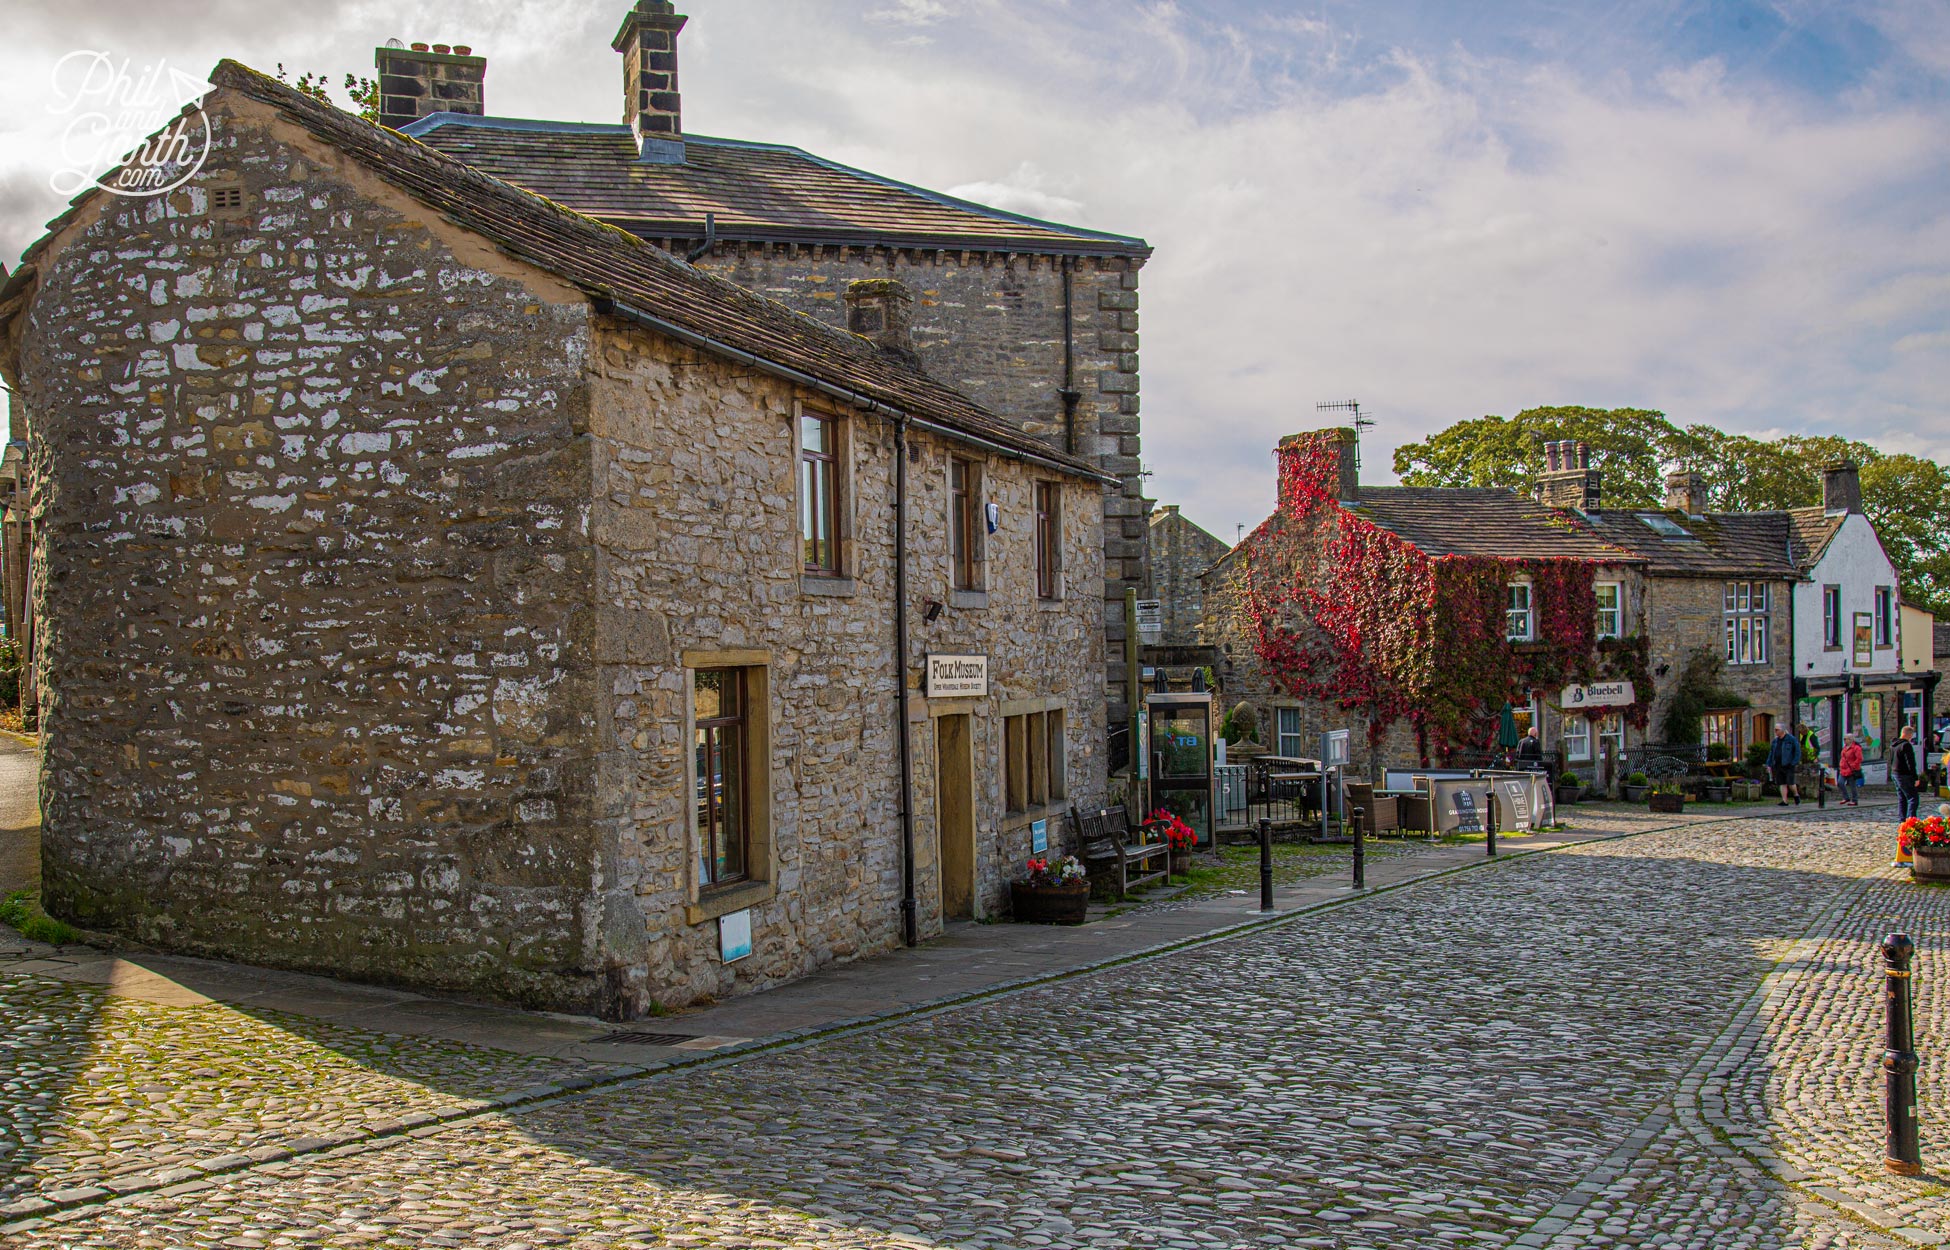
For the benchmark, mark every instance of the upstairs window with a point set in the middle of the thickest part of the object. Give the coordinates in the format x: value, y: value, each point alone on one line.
x: 1885, y: 616
x: 1748, y: 610
x: 1831, y: 617
x: 1516, y: 618
x: 1611, y: 612
x: 819, y: 493
x: 1048, y: 540
x: 962, y: 533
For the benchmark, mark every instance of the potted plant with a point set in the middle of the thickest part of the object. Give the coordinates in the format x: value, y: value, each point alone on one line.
x: 1181, y: 836
x: 1716, y: 789
x: 1668, y: 797
x: 1052, y: 891
x: 1744, y: 789
x: 1569, y: 787
x: 1635, y: 787
x: 1928, y: 842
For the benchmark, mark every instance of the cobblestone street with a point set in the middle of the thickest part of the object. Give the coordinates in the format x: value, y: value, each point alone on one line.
x: 1664, y: 1040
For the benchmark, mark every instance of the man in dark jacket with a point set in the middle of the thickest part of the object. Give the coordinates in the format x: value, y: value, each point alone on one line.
x: 1782, y: 759
x: 1530, y: 752
x: 1909, y: 781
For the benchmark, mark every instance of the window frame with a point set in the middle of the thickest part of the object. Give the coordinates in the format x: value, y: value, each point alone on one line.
x: 1612, y: 728
x: 1885, y: 626
x: 1617, y: 609
x: 1831, y: 618
x: 710, y: 899
x: 1577, y: 746
x: 1529, y: 611
x: 1748, y: 609
x: 708, y: 734
x: 1035, y: 760
x: 964, y: 524
x: 829, y: 462
x: 1047, y: 542
x: 1280, y: 735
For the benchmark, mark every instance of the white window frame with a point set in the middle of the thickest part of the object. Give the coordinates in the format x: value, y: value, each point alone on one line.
x: 1617, y: 609
x: 1510, y: 611
x: 1612, y: 728
x: 1885, y: 629
x: 1831, y: 618
x: 1748, y: 608
x: 1280, y: 734
x: 1577, y: 738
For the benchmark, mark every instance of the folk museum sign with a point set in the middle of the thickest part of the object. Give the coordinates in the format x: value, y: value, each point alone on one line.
x: 958, y: 676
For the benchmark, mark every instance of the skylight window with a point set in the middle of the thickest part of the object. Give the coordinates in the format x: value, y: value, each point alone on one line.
x: 1665, y: 526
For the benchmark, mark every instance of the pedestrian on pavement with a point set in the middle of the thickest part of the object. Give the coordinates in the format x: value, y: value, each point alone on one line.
x: 1850, y: 771
x: 1530, y: 752
x: 1909, y: 783
x: 1783, y: 757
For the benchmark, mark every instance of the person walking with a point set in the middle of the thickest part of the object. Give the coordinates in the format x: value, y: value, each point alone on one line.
x: 1850, y: 771
x: 1909, y: 782
x: 1530, y: 752
x: 1783, y: 757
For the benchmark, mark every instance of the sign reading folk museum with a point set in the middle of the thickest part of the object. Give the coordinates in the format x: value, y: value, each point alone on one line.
x: 958, y: 676
x: 1599, y: 694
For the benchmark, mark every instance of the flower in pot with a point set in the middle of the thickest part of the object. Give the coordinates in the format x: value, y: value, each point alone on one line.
x: 1051, y: 891
x: 1668, y: 797
x: 1569, y: 787
x: 1182, y: 837
x: 1635, y: 787
x: 1926, y: 843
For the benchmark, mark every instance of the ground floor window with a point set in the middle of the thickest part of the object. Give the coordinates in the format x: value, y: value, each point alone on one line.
x: 1291, y: 741
x: 1611, y: 736
x: 1724, y: 728
x: 718, y: 705
x: 1577, y: 738
x: 1034, y: 760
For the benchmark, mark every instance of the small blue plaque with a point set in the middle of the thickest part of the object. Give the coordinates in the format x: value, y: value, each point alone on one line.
x: 1038, y: 837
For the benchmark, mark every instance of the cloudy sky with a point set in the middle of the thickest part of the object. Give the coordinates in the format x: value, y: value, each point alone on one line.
x: 1736, y: 212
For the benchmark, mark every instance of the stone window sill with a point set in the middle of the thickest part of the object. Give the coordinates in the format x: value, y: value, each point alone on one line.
x: 1011, y: 821
x: 718, y: 901
x: 821, y: 584
x: 1051, y: 605
x: 968, y: 598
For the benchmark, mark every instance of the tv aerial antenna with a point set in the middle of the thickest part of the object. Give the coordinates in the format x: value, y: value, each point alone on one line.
x: 1361, y: 423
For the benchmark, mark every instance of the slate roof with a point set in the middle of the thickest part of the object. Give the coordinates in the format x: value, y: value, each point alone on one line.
x: 1725, y: 544
x: 758, y: 191
x: 607, y: 263
x: 1471, y: 521
x: 1811, y: 530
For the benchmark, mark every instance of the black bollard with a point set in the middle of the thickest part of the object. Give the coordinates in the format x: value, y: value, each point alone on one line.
x: 1360, y: 849
x: 1899, y: 1063
x: 1265, y: 864
x: 1489, y: 837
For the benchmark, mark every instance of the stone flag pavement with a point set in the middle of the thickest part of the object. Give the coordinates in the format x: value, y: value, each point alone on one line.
x: 1667, y: 1039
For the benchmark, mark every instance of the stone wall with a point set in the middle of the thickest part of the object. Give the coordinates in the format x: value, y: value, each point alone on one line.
x: 991, y: 326
x: 699, y: 555
x: 1683, y: 614
x: 1180, y: 552
x: 313, y: 577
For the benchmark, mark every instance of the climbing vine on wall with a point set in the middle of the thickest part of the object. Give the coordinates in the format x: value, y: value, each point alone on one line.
x: 1351, y: 614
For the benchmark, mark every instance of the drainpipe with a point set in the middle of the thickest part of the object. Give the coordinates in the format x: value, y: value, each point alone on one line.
x: 910, y: 931
x: 1069, y: 392
x: 710, y: 239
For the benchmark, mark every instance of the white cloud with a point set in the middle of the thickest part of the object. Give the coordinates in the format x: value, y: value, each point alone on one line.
x: 911, y: 13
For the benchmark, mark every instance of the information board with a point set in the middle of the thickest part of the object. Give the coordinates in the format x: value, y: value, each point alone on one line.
x: 1512, y: 804
x: 1461, y: 806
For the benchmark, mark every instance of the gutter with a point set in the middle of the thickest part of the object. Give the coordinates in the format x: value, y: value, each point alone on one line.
x: 857, y: 399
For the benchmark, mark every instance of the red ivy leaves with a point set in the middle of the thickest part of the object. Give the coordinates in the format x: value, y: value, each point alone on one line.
x: 1346, y: 612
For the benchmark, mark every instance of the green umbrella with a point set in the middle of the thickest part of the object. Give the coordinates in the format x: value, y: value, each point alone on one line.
x: 1506, y: 729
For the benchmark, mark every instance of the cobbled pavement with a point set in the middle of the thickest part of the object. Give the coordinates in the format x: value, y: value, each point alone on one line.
x: 1665, y: 1040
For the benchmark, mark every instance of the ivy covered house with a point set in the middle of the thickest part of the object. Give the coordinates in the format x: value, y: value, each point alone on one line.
x: 1416, y: 613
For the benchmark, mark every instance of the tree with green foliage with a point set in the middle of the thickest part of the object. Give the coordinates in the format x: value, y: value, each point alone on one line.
x: 1906, y: 497
x: 363, y: 92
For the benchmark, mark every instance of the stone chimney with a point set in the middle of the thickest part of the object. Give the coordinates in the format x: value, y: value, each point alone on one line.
x: 420, y: 81
x: 1841, y: 488
x: 882, y: 309
x: 1568, y: 480
x: 1327, y: 461
x: 652, y: 106
x: 1686, y: 492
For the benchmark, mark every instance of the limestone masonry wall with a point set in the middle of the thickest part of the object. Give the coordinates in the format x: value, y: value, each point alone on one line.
x: 313, y: 572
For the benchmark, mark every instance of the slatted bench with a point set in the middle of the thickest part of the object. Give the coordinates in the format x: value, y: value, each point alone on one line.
x: 1112, y: 849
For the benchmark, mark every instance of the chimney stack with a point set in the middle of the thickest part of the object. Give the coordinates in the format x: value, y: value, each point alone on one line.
x: 418, y: 82
x: 1324, y: 461
x: 1568, y: 480
x: 1686, y: 492
x: 1841, y: 487
x: 882, y: 309
x: 652, y: 106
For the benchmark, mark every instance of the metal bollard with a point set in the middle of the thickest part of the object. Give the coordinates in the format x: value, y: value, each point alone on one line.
x: 1265, y: 864
x: 1360, y: 848
x: 1899, y: 1063
x: 1489, y: 837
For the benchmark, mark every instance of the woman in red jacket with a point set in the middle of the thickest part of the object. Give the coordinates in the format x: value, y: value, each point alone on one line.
x: 1850, y: 771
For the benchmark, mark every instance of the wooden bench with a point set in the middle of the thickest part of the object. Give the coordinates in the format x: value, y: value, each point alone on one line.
x: 1113, y: 849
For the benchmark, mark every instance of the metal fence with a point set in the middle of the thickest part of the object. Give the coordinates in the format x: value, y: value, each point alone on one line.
x: 1284, y: 791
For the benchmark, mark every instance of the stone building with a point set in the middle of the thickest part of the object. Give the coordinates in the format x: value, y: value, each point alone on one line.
x: 1667, y: 589
x: 441, y: 587
x: 1180, y: 552
x: 1035, y: 321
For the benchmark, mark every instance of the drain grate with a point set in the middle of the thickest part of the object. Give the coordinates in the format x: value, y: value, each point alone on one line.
x: 647, y: 1039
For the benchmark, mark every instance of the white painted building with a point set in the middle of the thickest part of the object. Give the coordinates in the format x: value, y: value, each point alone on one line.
x: 1848, y: 669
